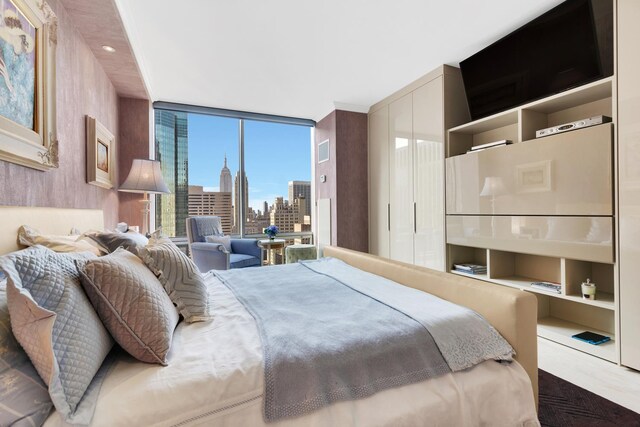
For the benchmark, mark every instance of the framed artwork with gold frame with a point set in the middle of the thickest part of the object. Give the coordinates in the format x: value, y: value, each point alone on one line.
x: 28, y: 39
x: 101, y: 158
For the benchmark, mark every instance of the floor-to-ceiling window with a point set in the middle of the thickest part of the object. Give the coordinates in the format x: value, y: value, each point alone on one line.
x: 250, y: 171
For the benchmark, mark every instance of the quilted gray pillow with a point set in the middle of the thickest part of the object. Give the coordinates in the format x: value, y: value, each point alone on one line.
x: 54, y: 322
x: 131, y: 241
x: 132, y: 304
x: 25, y: 399
x: 181, y: 279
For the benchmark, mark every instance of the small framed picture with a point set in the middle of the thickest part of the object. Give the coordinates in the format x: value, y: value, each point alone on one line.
x: 534, y: 177
x: 323, y: 151
x: 100, y: 154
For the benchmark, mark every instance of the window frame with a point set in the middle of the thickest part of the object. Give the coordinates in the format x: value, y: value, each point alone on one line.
x: 241, y: 116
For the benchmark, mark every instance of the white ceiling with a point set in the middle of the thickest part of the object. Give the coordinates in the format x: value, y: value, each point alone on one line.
x: 300, y: 58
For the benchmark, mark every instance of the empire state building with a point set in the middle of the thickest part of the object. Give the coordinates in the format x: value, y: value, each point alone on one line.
x: 226, y: 182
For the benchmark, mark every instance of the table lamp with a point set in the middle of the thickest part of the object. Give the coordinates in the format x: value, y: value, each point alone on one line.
x: 493, y: 186
x: 145, y: 177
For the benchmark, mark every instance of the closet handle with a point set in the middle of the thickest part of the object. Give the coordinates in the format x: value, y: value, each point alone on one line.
x: 415, y: 224
x: 388, y: 216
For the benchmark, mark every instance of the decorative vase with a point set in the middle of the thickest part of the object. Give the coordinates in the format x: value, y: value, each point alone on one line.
x: 272, y: 237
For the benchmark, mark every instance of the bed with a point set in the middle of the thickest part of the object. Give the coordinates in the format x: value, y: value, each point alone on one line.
x: 215, y: 374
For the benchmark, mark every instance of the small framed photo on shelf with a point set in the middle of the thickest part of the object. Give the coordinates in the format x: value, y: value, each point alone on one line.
x: 100, y: 154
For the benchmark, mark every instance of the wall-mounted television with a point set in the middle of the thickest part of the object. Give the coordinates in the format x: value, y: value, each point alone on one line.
x: 568, y: 46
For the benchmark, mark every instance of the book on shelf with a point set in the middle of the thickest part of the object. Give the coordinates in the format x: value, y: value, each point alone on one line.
x: 490, y: 145
x: 547, y: 287
x: 470, y: 268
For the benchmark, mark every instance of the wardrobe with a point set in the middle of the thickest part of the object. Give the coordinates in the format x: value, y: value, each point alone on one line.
x: 406, y: 167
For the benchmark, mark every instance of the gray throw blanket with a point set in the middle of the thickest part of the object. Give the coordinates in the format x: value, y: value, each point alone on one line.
x: 331, y: 332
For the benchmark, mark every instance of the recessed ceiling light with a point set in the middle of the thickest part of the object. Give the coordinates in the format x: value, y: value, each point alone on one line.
x: 108, y: 48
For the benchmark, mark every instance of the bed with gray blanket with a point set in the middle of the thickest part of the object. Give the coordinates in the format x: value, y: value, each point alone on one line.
x: 331, y: 332
x: 323, y: 344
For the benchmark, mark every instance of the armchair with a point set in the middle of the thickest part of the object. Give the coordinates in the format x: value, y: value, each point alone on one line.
x: 214, y: 256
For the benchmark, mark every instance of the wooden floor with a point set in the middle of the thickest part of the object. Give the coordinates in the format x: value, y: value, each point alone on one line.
x: 618, y: 384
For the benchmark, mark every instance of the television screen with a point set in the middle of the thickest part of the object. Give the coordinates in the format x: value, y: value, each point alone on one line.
x: 568, y: 46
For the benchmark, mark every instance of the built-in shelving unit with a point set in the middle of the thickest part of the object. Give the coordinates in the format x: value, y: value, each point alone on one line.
x: 541, y: 210
x: 520, y: 124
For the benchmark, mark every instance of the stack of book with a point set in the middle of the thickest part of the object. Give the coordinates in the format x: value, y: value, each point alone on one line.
x: 493, y: 144
x: 547, y: 287
x: 470, y: 268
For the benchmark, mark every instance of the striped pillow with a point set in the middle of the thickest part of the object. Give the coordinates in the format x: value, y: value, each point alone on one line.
x: 180, y: 277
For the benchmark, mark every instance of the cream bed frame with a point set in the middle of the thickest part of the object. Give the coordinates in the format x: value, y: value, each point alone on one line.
x: 512, y: 312
x: 47, y: 220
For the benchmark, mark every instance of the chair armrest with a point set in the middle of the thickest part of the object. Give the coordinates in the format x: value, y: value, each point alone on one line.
x: 208, y: 247
x: 209, y: 256
x: 246, y: 247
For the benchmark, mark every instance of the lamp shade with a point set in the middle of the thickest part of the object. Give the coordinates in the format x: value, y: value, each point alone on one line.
x: 493, y: 186
x: 145, y: 176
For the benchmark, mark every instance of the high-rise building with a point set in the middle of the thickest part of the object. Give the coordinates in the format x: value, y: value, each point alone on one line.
x: 286, y: 215
x: 236, y: 201
x: 225, y: 178
x: 214, y: 203
x: 301, y: 188
x: 283, y: 215
x: 172, y: 140
x: 265, y: 208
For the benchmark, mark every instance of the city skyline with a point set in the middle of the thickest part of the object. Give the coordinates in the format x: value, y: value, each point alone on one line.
x: 268, y: 171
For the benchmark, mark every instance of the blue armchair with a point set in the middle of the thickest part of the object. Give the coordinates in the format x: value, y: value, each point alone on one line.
x: 214, y: 256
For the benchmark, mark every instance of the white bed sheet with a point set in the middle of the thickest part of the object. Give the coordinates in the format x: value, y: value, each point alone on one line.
x: 215, y: 378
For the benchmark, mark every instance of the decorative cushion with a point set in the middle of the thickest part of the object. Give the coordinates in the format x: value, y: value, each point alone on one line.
x: 242, y: 261
x: 223, y: 240
x: 28, y: 236
x: 24, y: 396
x: 181, y: 279
x: 54, y: 322
x: 130, y: 240
x: 295, y: 253
x: 132, y: 304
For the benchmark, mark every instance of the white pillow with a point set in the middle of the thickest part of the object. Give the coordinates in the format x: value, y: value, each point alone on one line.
x: 223, y: 240
x: 28, y: 236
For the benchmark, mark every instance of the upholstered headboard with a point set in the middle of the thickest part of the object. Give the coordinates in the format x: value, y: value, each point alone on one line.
x: 47, y: 220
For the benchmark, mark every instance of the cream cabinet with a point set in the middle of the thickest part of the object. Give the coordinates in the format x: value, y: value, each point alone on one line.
x: 629, y: 180
x: 379, y: 182
x: 428, y: 175
x: 401, y: 211
x: 406, y: 168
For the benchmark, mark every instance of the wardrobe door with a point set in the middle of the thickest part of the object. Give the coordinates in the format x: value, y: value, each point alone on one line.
x: 379, y: 182
x: 629, y: 180
x: 401, y: 179
x: 428, y: 175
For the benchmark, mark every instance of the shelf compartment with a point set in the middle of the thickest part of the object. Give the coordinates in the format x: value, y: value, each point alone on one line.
x: 466, y: 255
x: 500, y: 126
x: 586, y: 94
x: 560, y: 331
x: 523, y: 269
x: 575, y: 272
x: 559, y: 319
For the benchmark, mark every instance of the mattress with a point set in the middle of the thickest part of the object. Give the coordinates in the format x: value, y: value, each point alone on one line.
x: 215, y: 378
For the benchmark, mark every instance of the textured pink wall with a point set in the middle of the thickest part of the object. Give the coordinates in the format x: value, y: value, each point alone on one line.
x: 82, y: 88
x: 347, y: 180
x: 352, y: 180
x: 134, y: 120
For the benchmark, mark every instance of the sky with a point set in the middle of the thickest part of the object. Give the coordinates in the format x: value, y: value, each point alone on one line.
x: 274, y: 154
